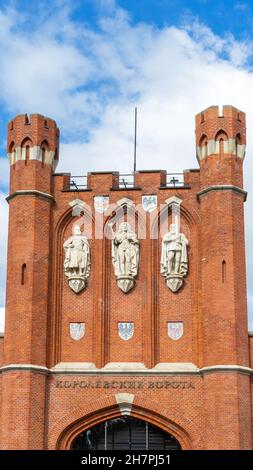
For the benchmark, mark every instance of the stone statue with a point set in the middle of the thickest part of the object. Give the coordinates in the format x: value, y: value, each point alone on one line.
x: 174, y: 259
x: 77, y: 263
x: 125, y: 256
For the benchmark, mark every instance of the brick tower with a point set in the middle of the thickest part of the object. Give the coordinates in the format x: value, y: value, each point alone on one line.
x: 32, y: 151
x: 173, y: 351
x: 221, y: 142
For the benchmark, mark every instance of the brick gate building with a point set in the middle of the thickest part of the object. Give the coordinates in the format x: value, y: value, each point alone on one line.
x: 96, y: 349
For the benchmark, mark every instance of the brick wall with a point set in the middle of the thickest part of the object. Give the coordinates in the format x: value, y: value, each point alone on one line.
x: 1, y: 348
x: 205, y: 402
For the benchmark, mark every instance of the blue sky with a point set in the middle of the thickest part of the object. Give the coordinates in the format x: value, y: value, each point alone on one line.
x: 223, y: 17
x: 88, y: 63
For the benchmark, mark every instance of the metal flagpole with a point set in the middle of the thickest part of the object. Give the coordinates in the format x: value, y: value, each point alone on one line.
x: 135, y: 138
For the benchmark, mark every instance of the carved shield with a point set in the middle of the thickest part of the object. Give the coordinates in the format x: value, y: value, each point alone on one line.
x: 126, y: 330
x: 149, y: 203
x: 77, y: 330
x: 101, y: 203
x: 175, y: 330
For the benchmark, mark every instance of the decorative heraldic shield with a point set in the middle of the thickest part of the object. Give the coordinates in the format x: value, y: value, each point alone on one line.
x: 125, y: 256
x: 77, y: 263
x: 126, y: 330
x: 101, y: 203
x: 149, y: 203
x: 174, y: 259
x: 77, y: 330
x: 175, y: 330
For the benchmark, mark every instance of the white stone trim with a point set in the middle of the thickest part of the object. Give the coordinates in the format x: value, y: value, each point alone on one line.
x: 173, y: 200
x: 75, y: 366
x: 175, y: 366
x: 78, y: 202
x: 224, y: 187
x: 226, y: 368
x: 24, y: 367
x: 213, y: 148
x: 78, y: 207
x: 125, y: 401
x: 35, y: 154
x: 30, y: 192
x: 126, y: 368
x: 125, y: 201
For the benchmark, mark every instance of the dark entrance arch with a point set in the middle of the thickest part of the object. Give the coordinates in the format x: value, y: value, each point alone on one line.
x: 125, y: 433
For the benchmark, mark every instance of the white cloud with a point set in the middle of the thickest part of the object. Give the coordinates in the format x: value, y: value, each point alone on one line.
x: 3, y: 246
x: 90, y: 81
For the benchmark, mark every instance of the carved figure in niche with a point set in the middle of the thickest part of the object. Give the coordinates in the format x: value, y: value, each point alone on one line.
x: 77, y: 263
x: 174, y: 258
x: 125, y: 256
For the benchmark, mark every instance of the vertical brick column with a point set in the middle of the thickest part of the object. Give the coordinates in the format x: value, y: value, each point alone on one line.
x: 33, y: 152
x: 220, y: 139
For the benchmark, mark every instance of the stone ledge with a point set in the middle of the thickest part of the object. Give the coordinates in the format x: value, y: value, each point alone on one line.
x: 24, y: 367
x: 226, y: 368
x: 223, y: 188
x: 133, y: 188
x: 125, y: 368
x: 31, y: 192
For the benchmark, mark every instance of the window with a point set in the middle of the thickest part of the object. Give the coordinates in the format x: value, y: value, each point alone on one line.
x: 125, y: 433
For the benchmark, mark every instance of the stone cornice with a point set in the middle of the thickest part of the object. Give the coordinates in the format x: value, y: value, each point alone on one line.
x: 225, y: 187
x: 127, y: 369
x: 24, y: 367
x: 226, y: 368
x: 31, y: 192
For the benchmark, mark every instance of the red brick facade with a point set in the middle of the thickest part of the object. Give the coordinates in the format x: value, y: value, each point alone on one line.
x: 196, y: 388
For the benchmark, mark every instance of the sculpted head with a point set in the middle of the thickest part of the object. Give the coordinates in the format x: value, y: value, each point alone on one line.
x: 172, y: 228
x: 124, y: 227
x: 77, y: 230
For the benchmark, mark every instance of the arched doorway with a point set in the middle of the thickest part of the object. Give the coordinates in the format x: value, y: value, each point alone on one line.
x: 125, y: 433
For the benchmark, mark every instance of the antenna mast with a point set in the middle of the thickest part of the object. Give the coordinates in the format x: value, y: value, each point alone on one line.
x: 135, y: 137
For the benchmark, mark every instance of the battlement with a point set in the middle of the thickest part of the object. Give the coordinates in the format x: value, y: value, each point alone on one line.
x: 114, y: 181
x: 226, y: 111
x: 220, y: 129
x: 33, y: 137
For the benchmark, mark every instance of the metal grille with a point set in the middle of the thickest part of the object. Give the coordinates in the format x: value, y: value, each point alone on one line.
x: 126, y: 181
x: 175, y: 180
x: 78, y: 183
x: 125, y: 433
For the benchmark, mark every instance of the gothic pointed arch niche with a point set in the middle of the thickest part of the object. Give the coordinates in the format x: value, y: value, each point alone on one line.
x: 116, y: 300
x: 59, y: 282
x: 163, y: 296
x: 221, y: 139
x: 125, y: 245
x: 26, y: 147
x: 44, y: 149
x: 203, y: 144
